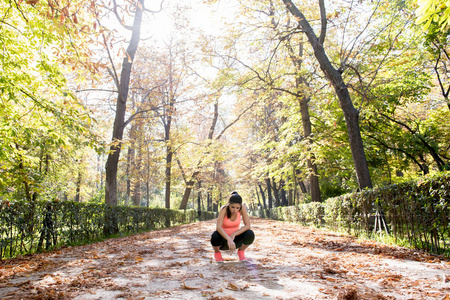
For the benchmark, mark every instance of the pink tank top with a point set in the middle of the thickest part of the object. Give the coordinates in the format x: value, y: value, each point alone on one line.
x: 231, y: 226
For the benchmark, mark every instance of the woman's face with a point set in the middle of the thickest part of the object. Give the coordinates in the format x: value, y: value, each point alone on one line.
x: 234, y: 207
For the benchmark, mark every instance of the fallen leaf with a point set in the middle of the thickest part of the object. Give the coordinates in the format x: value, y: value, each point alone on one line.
x: 184, y: 286
x: 232, y: 287
x: 207, y: 293
x: 331, y: 279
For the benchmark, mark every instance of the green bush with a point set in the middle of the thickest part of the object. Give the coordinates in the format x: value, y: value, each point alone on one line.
x: 31, y: 227
x: 417, y: 212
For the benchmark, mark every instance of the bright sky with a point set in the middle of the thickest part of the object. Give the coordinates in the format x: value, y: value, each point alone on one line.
x: 209, y: 18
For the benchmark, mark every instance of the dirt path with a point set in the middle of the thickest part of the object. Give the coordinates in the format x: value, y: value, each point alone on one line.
x: 287, y: 262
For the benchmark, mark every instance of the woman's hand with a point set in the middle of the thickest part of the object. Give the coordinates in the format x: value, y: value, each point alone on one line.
x: 231, y: 244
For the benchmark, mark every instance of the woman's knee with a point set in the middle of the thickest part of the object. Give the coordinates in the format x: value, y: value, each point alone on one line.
x: 249, y: 237
x: 216, y: 239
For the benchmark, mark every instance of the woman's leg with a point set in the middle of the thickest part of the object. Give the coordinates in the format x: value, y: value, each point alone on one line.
x: 244, y: 240
x: 216, y: 241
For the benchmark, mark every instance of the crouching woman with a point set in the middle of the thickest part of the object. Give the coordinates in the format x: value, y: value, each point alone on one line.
x: 229, y: 235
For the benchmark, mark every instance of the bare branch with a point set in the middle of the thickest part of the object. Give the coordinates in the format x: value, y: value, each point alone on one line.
x: 381, y: 142
x: 21, y: 12
x: 12, y: 26
x: 116, y: 13
x: 112, y: 72
x: 157, y: 11
x: 134, y: 116
x: 441, y: 85
x: 235, y: 121
x: 182, y: 170
x: 433, y: 152
x: 323, y: 22
x: 349, y: 53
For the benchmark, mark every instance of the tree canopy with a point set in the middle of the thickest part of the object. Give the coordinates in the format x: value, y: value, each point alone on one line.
x: 42, y: 122
x: 284, y: 101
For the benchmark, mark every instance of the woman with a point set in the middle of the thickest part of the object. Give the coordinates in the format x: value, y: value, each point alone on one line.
x: 228, y: 235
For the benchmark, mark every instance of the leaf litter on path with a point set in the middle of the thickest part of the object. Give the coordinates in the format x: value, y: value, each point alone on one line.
x: 286, y: 261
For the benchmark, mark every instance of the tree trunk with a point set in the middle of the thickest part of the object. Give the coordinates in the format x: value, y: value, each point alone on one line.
x: 147, y: 183
x: 170, y: 111
x: 148, y: 192
x: 290, y: 197
x: 350, y: 113
x: 310, y: 162
x: 300, y: 84
x: 119, y: 121
x: 258, y: 197
x: 187, y: 193
x: 302, y: 187
x: 193, y: 198
x: 190, y: 183
x: 199, y: 198
x: 78, y: 190
x: 136, y: 198
x: 112, y: 162
x: 169, y: 156
x: 276, y: 193
x: 24, y: 176
x: 130, y: 161
x: 263, y: 196
x: 269, y: 192
x: 188, y: 189
x: 169, y: 152
x: 284, y: 201
x: 128, y: 171
x: 208, y: 201
x: 100, y: 172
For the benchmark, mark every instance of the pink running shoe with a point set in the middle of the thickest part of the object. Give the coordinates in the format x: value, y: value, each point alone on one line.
x: 218, y: 257
x: 241, y: 255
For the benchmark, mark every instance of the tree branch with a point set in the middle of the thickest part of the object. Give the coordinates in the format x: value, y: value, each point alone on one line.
x: 121, y: 21
x: 156, y: 11
x: 95, y: 90
x: 323, y: 22
x: 235, y: 121
x: 433, y: 152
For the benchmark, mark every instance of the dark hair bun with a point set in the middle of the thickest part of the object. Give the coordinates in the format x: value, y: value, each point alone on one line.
x: 235, y: 198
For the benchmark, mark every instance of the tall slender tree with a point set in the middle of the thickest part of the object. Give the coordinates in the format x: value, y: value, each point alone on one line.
x: 122, y: 82
x: 334, y: 75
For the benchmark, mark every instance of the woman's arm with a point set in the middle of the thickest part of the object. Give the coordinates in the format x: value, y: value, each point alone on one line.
x: 230, y: 242
x: 246, y: 220
x: 219, y: 223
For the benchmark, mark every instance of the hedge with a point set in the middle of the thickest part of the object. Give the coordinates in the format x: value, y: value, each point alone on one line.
x: 29, y: 227
x: 417, y: 212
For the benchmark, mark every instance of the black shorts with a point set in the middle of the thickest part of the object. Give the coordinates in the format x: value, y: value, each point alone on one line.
x: 246, y: 238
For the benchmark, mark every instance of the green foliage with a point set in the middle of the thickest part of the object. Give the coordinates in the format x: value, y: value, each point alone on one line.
x: 417, y: 212
x: 27, y: 227
x: 42, y: 123
x: 435, y: 12
x: 330, y: 188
